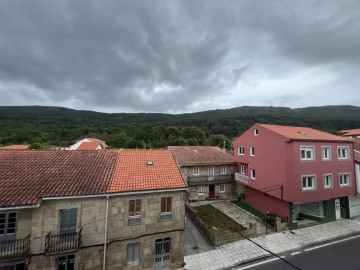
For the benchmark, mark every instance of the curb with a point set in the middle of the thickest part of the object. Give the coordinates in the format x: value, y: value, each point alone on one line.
x: 264, y: 257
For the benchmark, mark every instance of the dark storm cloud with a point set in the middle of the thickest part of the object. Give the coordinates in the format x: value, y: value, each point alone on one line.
x: 173, y: 56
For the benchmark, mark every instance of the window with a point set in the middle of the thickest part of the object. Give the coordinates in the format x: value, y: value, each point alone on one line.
x: 252, y: 150
x: 166, y: 209
x: 343, y: 152
x: 20, y: 266
x: 66, y: 262
x: 256, y: 132
x: 7, y: 226
x: 223, y: 169
x: 252, y: 173
x: 242, y: 169
x: 344, y: 180
x: 211, y: 171
x: 133, y: 253
x: 307, y: 153
x: 196, y: 171
x: 241, y: 150
x: 221, y: 188
x: 326, y: 154
x: 134, y: 212
x: 308, y: 182
x: 327, y: 181
x: 68, y: 220
x: 201, y: 190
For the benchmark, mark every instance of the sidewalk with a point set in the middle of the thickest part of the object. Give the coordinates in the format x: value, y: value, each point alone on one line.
x: 243, y: 251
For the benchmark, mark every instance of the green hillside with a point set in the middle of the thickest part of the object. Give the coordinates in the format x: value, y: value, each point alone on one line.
x: 62, y: 126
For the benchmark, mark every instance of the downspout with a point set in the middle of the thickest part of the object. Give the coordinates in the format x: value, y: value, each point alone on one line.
x: 105, y: 233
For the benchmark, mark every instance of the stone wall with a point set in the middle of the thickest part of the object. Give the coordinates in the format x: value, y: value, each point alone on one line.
x: 91, y: 214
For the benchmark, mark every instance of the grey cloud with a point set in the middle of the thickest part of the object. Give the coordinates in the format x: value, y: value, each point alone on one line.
x: 118, y: 54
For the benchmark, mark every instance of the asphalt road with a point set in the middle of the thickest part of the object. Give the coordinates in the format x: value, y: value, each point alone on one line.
x: 342, y: 255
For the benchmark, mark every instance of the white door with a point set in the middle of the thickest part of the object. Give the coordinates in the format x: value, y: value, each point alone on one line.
x: 337, y: 209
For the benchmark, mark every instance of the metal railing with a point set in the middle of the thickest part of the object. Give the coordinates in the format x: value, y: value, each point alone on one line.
x: 14, y: 249
x: 62, y: 242
x: 210, y: 179
x: 241, y: 177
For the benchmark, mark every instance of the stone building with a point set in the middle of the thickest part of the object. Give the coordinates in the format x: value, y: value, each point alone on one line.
x: 209, y: 172
x: 69, y: 210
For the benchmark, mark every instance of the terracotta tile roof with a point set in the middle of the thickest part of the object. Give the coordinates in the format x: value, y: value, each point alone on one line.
x: 15, y: 147
x: 349, y: 132
x: 303, y: 133
x: 200, y: 155
x: 28, y: 175
x: 89, y: 144
x: 134, y: 174
x: 357, y: 156
x: 92, y: 145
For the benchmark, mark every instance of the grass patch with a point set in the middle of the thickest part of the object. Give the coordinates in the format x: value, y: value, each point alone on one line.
x: 215, y: 218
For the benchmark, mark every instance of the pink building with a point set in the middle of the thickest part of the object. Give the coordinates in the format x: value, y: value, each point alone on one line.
x: 298, y: 173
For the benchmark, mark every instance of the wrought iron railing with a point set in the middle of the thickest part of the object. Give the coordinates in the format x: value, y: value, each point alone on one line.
x: 62, y: 242
x: 209, y: 179
x: 14, y: 249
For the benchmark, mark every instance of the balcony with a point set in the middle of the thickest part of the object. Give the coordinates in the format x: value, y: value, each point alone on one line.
x: 241, y: 178
x: 215, y: 179
x: 63, y: 242
x: 14, y: 249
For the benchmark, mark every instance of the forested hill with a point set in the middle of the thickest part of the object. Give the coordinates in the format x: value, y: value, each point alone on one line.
x: 61, y: 126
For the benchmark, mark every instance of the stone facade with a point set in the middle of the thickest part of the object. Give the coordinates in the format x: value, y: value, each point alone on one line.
x: 219, y: 186
x: 91, y: 216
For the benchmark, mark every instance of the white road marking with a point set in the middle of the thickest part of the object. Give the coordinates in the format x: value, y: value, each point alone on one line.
x: 332, y: 243
x: 294, y: 253
x: 259, y: 263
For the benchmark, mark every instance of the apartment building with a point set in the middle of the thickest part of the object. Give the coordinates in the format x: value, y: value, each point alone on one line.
x: 208, y: 170
x: 91, y: 210
x: 297, y: 173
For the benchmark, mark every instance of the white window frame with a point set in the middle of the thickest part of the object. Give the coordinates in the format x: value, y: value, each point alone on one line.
x: 329, y: 177
x: 347, y: 177
x: 242, y: 169
x: 241, y: 150
x: 252, y: 151
x: 252, y: 174
x: 196, y: 171
x: 133, y: 253
x: 307, y: 187
x: 324, y: 150
x: 221, y: 188
x: 201, y: 190
x: 340, y: 153
x: 307, y: 149
x: 223, y: 170
x: 256, y: 132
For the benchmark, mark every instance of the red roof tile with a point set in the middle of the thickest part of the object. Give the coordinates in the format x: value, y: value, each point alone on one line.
x: 134, y: 174
x: 200, y: 155
x: 303, y: 133
x: 15, y: 147
x: 26, y: 176
x: 350, y: 132
x: 90, y: 144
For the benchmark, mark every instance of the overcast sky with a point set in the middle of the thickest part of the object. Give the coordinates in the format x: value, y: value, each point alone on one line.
x: 179, y: 56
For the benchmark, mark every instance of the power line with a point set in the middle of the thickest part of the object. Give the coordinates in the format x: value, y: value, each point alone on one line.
x: 258, y: 245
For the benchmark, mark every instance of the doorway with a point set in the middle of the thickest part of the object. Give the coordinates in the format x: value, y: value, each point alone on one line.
x: 212, y: 191
x: 337, y: 209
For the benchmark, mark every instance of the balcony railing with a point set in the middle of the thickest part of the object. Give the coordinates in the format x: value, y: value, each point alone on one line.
x: 14, y: 249
x: 193, y: 180
x: 241, y: 178
x: 63, y: 242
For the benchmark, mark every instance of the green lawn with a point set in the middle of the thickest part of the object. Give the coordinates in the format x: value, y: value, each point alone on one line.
x: 215, y: 218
